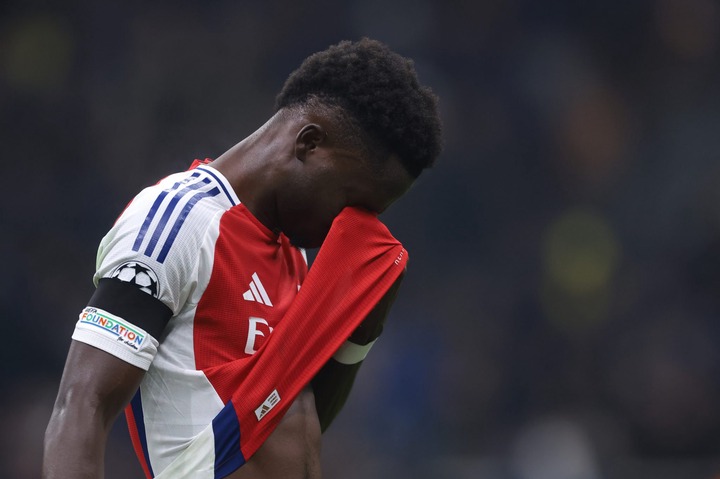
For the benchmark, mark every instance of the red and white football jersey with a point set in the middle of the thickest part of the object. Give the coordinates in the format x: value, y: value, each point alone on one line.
x: 227, y: 279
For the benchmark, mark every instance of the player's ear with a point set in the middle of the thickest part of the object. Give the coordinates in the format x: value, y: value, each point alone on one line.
x: 308, y: 138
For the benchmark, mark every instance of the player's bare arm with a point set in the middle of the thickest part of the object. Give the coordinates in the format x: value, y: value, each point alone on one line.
x: 333, y: 383
x: 95, y: 387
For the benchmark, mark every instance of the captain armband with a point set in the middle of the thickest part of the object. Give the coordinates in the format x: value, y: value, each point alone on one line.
x: 350, y: 353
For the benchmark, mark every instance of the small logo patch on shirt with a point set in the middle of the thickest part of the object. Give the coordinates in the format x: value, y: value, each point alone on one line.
x: 268, y: 404
x: 113, y: 326
x: 140, y: 275
x: 257, y: 292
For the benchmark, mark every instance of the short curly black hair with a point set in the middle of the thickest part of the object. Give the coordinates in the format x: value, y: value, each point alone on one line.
x: 379, y: 90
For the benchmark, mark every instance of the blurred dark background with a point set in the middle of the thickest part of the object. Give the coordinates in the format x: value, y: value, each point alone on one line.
x: 560, y: 319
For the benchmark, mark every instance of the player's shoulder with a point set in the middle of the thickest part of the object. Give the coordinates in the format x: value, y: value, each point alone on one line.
x: 179, y: 204
x: 164, y: 231
x: 184, y: 190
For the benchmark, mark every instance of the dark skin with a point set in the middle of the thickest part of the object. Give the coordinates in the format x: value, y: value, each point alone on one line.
x: 295, y: 179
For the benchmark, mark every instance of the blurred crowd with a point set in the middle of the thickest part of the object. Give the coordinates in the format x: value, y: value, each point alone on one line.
x: 561, y: 315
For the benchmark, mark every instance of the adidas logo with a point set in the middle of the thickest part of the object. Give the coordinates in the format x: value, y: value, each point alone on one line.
x: 257, y: 292
x: 267, y: 405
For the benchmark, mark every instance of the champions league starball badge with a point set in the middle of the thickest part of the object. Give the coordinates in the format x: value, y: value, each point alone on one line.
x: 139, y: 274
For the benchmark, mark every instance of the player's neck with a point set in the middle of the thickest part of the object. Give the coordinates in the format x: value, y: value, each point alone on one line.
x: 251, y: 167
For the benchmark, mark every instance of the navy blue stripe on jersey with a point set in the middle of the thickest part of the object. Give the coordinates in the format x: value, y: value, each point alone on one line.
x: 181, y: 219
x: 222, y: 185
x: 154, y: 208
x: 169, y: 211
x: 136, y: 405
x: 226, y: 429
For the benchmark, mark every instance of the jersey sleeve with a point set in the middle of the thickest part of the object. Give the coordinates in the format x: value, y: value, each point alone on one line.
x: 146, y: 269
